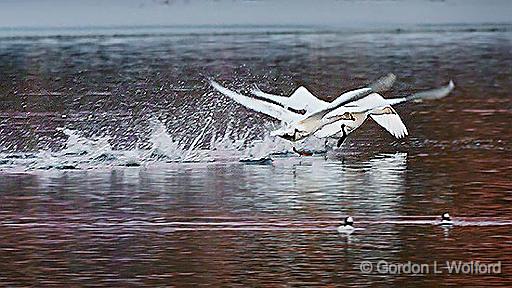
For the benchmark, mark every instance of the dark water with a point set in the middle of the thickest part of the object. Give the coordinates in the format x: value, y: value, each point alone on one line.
x: 223, y: 223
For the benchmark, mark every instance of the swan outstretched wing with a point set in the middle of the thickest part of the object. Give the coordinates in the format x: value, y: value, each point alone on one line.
x: 380, y: 85
x: 256, y: 91
x: 264, y: 107
x: 301, y: 99
x: 377, y: 107
x: 363, y: 105
x: 436, y: 93
x: 348, y: 99
x: 389, y: 120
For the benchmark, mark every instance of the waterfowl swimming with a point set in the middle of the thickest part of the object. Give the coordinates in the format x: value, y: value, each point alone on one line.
x: 302, y: 114
x: 348, y: 226
x: 445, y: 219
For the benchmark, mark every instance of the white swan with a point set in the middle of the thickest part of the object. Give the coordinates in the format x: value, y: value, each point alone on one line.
x: 304, y: 115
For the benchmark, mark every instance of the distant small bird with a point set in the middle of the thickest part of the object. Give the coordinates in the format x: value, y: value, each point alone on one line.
x: 445, y: 219
x: 348, y: 226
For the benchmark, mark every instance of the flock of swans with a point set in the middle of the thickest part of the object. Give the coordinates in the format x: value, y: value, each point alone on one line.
x: 303, y: 115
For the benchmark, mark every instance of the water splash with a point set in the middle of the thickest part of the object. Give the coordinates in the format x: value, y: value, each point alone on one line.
x: 81, y: 152
x: 167, y: 149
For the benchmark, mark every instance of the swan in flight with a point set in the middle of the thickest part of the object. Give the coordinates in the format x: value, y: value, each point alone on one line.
x: 303, y: 114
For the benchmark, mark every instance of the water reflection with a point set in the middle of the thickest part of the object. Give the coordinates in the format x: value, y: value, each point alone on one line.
x: 179, y: 222
x: 287, y: 185
x: 60, y: 217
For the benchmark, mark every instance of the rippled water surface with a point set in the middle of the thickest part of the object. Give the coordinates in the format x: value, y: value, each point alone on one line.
x: 119, y: 165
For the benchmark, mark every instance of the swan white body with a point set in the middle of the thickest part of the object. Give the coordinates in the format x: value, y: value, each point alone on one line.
x: 303, y: 114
